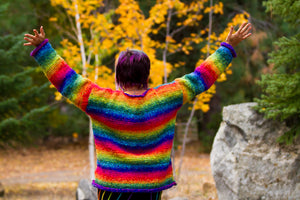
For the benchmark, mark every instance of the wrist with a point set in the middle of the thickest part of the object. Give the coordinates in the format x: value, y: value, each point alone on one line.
x: 230, y: 47
x: 38, y: 47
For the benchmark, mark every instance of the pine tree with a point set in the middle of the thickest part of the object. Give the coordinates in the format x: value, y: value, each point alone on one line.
x: 24, y: 95
x: 281, y: 97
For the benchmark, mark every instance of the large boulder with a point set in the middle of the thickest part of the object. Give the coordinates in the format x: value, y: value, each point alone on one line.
x: 248, y: 163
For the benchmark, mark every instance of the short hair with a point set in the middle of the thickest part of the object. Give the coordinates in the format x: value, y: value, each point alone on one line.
x: 132, y: 69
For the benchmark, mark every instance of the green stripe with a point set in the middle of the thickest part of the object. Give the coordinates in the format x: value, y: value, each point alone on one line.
x: 128, y: 160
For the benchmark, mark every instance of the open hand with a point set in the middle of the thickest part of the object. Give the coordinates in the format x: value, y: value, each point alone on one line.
x: 240, y: 35
x: 35, y: 39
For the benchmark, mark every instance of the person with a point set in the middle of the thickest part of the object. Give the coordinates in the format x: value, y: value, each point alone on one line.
x: 133, y: 127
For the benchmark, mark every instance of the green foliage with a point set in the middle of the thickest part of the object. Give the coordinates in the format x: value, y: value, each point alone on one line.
x: 282, y: 94
x: 288, y: 9
x: 16, y: 16
x: 285, y: 56
x: 22, y: 104
x: 27, y: 106
x: 280, y: 99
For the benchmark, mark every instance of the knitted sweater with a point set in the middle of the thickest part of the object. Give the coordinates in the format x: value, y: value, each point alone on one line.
x: 133, y: 133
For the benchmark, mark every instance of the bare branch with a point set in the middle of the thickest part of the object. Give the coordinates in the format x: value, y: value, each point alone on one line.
x: 66, y: 32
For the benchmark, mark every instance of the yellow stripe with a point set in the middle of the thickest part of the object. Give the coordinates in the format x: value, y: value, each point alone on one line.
x: 109, y: 195
x: 129, y: 158
x: 103, y: 195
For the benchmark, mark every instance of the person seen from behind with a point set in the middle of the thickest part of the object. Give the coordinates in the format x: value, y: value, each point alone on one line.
x: 133, y: 127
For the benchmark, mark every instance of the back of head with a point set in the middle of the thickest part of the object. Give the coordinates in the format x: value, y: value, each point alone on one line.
x: 132, y: 69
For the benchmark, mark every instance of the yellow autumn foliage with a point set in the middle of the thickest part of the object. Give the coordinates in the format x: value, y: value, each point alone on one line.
x: 133, y: 30
x: 204, y: 98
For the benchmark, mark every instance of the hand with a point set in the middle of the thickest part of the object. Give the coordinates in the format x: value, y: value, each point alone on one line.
x: 35, y: 39
x: 240, y: 35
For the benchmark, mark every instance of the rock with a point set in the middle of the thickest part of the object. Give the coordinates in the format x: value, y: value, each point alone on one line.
x: 248, y: 163
x: 86, y: 191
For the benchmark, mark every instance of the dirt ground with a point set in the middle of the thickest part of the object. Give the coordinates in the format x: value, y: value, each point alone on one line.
x: 45, y: 173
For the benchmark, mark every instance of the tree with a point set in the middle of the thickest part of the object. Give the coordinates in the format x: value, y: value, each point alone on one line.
x: 201, y: 102
x: 281, y: 94
x: 23, y: 102
x: 28, y: 110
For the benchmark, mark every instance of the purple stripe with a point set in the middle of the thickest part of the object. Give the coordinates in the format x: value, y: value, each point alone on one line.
x: 39, y: 47
x: 140, y: 95
x: 132, y: 190
x: 228, y: 46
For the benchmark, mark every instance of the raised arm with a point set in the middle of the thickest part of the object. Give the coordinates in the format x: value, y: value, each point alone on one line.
x: 70, y: 84
x: 208, y: 72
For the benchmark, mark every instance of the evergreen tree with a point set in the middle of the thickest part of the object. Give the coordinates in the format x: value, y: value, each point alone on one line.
x: 281, y: 97
x: 28, y: 110
x: 24, y: 96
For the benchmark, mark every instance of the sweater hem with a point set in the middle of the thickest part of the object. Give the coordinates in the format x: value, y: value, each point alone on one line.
x: 132, y: 190
x: 228, y: 46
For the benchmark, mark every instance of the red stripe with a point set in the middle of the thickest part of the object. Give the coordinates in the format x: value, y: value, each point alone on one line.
x: 86, y: 93
x: 132, y: 177
x: 57, y: 77
x: 135, y: 126
x: 208, y: 74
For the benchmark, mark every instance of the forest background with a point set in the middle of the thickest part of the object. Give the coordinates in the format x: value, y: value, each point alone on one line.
x: 31, y: 110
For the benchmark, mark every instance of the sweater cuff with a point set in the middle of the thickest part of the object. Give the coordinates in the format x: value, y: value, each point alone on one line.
x: 228, y: 46
x: 39, y: 47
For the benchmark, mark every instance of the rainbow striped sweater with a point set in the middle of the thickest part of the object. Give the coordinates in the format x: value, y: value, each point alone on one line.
x: 133, y: 133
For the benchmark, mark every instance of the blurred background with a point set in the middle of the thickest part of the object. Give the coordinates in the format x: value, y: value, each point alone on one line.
x: 44, y: 138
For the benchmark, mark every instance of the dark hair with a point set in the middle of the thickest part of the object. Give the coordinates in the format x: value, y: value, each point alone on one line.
x: 132, y: 69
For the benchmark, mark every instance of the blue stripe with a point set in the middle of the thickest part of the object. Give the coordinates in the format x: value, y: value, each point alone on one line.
x: 45, y: 55
x: 195, y: 82
x: 135, y: 144
x: 68, y: 83
x: 128, y: 115
x: 123, y: 167
x: 123, y: 113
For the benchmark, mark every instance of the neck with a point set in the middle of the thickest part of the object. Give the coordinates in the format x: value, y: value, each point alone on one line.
x: 134, y: 90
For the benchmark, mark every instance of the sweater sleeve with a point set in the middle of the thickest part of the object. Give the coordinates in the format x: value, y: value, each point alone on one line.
x: 206, y: 74
x: 70, y: 84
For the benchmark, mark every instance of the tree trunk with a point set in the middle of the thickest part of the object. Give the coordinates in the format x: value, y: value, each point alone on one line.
x: 195, y: 101
x: 83, y: 58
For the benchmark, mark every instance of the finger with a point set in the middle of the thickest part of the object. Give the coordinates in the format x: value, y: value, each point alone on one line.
x: 245, y: 28
x: 28, y: 44
x: 241, y: 27
x: 30, y: 36
x: 248, y: 30
x: 27, y: 39
x: 248, y: 35
x: 35, y: 32
x: 42, y: 31
x: 230, y: 33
